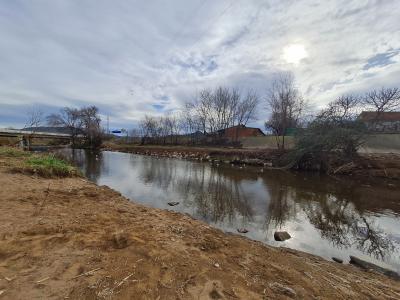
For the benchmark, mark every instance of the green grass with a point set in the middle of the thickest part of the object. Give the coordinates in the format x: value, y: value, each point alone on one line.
x: 13, y: 152
x: 43, y: 164
x: 48, y: 165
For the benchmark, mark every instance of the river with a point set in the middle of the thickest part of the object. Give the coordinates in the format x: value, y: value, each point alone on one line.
x: 324, y: 216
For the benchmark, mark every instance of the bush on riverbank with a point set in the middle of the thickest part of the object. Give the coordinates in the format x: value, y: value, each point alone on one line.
x: 333, y: 137
x: 49, y: 166
x: 44, y: 164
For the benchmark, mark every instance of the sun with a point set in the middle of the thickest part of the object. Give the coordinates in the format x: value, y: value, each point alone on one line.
x: 294, y: 53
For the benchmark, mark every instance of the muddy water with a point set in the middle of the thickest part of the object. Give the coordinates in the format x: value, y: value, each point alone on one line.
x: 324, y: 216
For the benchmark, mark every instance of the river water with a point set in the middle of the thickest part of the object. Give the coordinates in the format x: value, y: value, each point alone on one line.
x: 324, y: 216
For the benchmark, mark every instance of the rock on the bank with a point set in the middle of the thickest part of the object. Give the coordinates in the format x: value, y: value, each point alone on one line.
x: 282, y: 289
x: 337, y: 259
x: 370, y: 266
x: 120, y: 240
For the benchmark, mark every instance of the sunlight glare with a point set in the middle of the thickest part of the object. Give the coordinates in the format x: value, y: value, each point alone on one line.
x: 294, y: 53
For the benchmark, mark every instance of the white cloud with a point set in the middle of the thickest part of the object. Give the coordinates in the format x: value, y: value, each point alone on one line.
x: 127, y: 56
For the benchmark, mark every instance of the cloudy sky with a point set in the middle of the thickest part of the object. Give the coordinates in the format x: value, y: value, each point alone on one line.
x: 132, y: 58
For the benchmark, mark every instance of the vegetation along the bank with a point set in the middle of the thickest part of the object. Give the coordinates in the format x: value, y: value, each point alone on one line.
x: 41, y: 164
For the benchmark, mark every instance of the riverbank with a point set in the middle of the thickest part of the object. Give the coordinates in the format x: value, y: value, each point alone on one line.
x: 66, y: 238
x: 255, y: 157
x: 367, y: 167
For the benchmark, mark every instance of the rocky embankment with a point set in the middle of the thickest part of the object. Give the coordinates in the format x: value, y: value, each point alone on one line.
x: 367, y: 168
x: 70, y: 239
x: 215, y: 155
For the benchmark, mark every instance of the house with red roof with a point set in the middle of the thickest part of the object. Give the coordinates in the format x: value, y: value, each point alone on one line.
x: 384, y: 122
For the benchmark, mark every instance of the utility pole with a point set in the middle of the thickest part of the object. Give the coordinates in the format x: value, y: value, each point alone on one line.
x: 108, y: 125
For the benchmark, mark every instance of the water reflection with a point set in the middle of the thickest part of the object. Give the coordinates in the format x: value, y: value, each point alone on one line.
x: 324, y: 217
x: 281, y: 208
x: 215, y: 196
x: 90, y: 162
x: 344, y: 227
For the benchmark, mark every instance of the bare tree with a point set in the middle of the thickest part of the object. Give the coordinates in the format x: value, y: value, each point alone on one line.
x: 149, y: 128
x: 344, y: 109
x: 223, y: 108
x: 383, y: 100
x: 246, y: 110
x: 172, y: 124
x: 84, y: 121
x: 91, y: 125
x: 134, y: 135
x: 190, y: 125
x: 69, y: 118
x: 209, y: 112
x: 201, y: 108
x: 34, y: 119
x: 286, y: 106
x: 163, y: 128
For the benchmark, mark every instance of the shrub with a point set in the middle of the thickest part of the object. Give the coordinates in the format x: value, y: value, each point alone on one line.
x: 333, y: 137
x: 49, y: 166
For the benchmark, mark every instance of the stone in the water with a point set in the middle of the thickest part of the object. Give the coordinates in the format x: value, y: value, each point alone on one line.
x: 281, y: 236
x: 338, y: 260
x: 370, y: 266
x: 242, y: 230
x: 173, y: 203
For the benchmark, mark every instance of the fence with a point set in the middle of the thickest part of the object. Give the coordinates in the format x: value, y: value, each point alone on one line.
x: 376, y: 143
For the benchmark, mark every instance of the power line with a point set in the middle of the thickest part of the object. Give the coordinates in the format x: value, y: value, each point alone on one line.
x: 229, y: 6
x: 189, y: 18
x: 108, y: 125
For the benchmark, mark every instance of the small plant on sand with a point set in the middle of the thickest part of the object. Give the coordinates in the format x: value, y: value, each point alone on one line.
x: 49, y: 166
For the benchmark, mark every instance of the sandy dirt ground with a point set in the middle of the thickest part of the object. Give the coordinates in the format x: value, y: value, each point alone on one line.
x: 70, y: 239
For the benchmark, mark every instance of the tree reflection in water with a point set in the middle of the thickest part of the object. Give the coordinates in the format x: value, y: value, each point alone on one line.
x: 340, y: 223
x: 281, y: 208
x: 372, y: 240
x: 89, y: 162
x: 217, y: 195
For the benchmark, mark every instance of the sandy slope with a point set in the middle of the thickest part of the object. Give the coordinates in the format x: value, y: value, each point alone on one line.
x: 53, y: 231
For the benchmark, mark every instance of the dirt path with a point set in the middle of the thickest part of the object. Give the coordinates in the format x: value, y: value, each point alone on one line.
x: 70, y: 239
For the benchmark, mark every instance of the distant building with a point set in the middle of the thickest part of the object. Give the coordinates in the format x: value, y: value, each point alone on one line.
x: 385, y: 122
x: 239, y: 131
